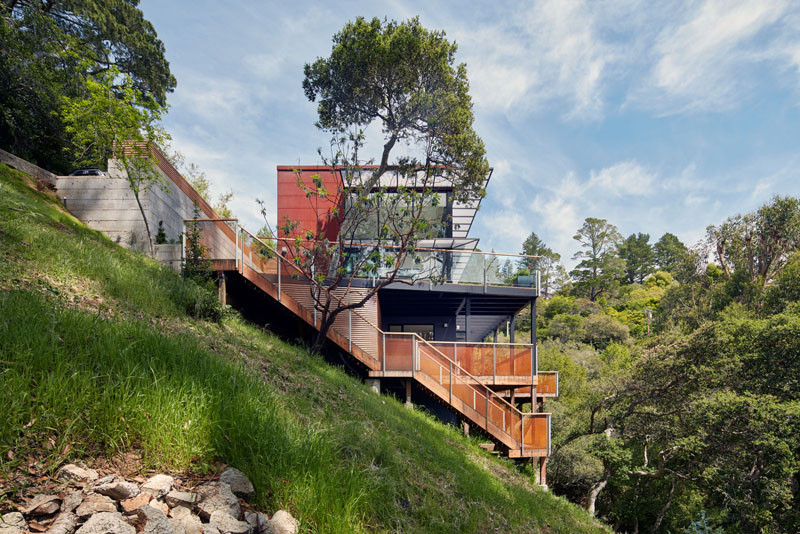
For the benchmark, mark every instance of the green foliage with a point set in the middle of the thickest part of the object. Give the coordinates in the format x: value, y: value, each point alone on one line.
x: 669, y: 252
x: 105, y: 328
x: 548, y: 263
x: 403, y: 76
x: 599, y: 267
x: 161, y: 234
x: 50, y: 51
x: 638, y: 256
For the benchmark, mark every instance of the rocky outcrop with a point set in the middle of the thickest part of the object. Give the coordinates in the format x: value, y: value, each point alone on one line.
x: 84, y: 503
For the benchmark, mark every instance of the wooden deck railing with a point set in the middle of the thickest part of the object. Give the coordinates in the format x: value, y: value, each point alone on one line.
x: 454, y: 372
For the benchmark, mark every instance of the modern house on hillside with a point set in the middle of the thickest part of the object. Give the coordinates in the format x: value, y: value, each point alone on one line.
x: 430, y: 334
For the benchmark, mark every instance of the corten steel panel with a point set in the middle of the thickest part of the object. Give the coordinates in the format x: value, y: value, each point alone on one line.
x: 536, y: 431
x: 311, y: 213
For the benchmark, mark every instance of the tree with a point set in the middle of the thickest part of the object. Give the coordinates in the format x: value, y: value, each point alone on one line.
x: 114, y: 113
x: 669, y: 252
x: 547, y: 263
x: 48, y: 49
x: 599, y: 265
x: 403, y: 77
x: 638, y: 256
x: 758, y: 244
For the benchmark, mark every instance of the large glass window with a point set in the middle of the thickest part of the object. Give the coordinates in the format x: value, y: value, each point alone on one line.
x: 365, y: 222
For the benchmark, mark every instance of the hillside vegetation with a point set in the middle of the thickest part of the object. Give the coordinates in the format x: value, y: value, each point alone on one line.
x: 100, y: 358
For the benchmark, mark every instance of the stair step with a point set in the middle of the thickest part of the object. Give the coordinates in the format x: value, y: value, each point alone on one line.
x: 487, y: 446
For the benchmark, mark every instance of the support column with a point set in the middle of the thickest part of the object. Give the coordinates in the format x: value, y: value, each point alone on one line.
x: 374, y: 384
x: 511, y: 327
x: 543, y: 473
x: 222, y: 288
x: 408, y: 395
x: 465, y: 428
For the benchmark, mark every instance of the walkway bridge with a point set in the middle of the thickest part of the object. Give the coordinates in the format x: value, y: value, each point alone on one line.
x: 476, y: 381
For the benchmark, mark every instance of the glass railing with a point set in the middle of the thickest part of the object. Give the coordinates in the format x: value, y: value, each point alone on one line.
x: 432, y: 265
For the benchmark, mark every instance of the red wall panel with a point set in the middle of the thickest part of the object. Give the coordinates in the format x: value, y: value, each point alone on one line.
x: 312, y: 213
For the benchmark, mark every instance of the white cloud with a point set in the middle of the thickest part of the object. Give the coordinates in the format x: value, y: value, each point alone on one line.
x: 548, y: 52
x: 624, y: 178
x: 704, y: 61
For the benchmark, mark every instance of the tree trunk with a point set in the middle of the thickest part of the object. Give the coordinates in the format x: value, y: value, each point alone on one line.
x: 597, y: 488
x: 146, y: 224
x: 664, y: 509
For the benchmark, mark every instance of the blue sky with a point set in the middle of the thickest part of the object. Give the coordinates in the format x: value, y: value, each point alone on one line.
x: 660, y: 117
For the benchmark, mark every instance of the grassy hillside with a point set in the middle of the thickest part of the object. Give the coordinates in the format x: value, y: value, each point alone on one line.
x: 98, y: 358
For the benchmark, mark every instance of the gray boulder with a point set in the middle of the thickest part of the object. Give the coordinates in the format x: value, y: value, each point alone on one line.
x: 152, y: 521
x: 283, y: 523
x: 71, y: 501
x: 182, y: 498
x: 76, y: 473
x: 42, y: 505
x: 106, y: 523
x: 93, y: 504
x: 118, y: 489
x: 158, y: 485
x: 65, y: 523
x: 227, y: 524
x: 12, y: 523
x: 217, y: 497
x: 238, y: 482
x: 258, y: 522
x: 210, y: 529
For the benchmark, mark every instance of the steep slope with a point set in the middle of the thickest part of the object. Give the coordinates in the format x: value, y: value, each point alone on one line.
x: 99, y: 358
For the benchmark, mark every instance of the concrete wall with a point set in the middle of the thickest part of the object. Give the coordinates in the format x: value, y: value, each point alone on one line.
x: 107, y: 204
x: 25, y: 166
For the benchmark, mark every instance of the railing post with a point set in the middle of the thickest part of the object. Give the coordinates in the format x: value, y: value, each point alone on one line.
x: 183, y: 246
x: 522, y: 434
x: 451, y: 383
x: 494, y: 363
x: 383, y: 368
x: 279, y: 278
x: 533, y: 363
x: 455, y: 352
x: 350, y: 330
x: 236, y: 249
x: 487, y: 409
x: 538, y: 282
x: 413, y: 354
x: 483, y: 256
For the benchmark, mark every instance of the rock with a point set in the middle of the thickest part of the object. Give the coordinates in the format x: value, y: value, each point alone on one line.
x: 180, y: 513
x: 177, y: 526
x: 118, y: 489
x: 217, y: 497
x: 35, y: 526
x: 210, y: 529
x: 12, y: 523
x: 158, y: 505
x: 65, y: 523
x: 43, y: 505
x: 182, y: 498
x: 193, y: 525
x: 106, y: 523
x: 239, y: 483
x: 93, y: 504
x: 283, y: 523
x: 158, y: 485
x: 129, y: 505
x: 71, y: 501
x: 76, y: 473
x: 153, y: 521
x: 258, y: 521
x: 227, y: 524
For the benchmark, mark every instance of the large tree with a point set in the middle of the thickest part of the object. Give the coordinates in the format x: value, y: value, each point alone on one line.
x: 669, y: 252
x: 404, y: 78
x: 547, y: 262
x: 638, y: 256
x: 49, y: 49
x: 758, y: 245
x: 599, y: 265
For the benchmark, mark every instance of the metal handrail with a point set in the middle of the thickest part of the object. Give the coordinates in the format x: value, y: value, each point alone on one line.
x: 486, y: 389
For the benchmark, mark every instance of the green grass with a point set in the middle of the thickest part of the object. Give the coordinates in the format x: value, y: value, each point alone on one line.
x: 98, y: 357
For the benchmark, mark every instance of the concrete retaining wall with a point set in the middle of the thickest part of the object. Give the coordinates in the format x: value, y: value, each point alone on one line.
x: 25, y: 166
x: 107, y: 204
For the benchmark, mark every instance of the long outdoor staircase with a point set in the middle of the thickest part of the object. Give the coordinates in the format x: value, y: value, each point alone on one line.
x: 475, y: 380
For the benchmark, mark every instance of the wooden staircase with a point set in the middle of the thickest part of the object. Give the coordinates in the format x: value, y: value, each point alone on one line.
x: 457, y: 374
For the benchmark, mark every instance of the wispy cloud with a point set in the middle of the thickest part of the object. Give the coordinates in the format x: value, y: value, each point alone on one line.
x: 622, y: 179
x: 706, y: 61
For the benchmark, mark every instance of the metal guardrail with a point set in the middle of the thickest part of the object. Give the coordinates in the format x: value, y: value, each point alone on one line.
x: 496, y: 412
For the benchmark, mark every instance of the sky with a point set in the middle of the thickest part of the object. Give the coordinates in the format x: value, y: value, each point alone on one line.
x: 657, y: 116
